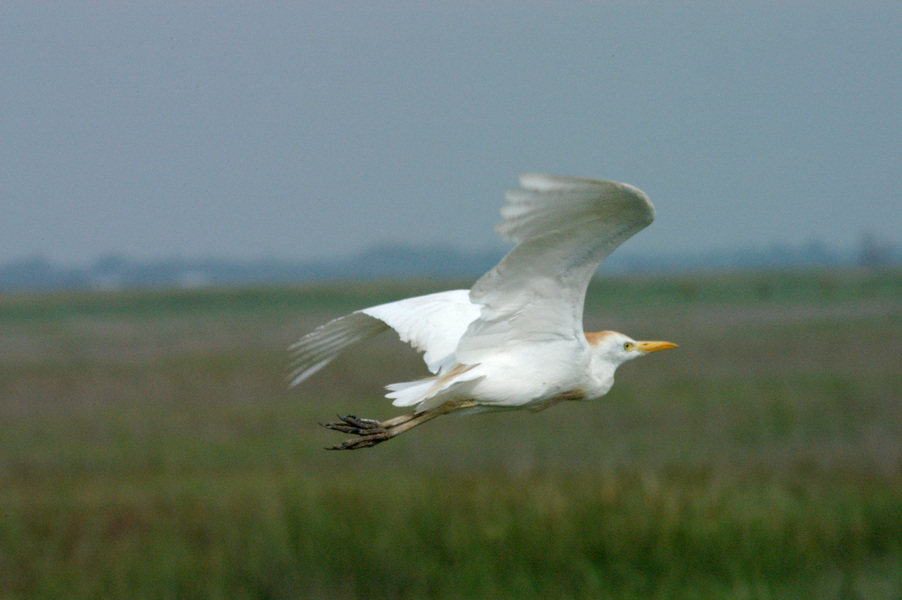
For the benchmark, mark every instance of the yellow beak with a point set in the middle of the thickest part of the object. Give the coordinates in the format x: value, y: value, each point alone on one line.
x: 655, y: 346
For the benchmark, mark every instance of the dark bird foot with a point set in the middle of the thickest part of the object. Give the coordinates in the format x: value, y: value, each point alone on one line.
x: 370, y: 432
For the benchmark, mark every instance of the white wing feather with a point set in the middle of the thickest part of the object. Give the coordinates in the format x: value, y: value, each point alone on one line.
x: 564, y: 228
x: 432, y: 324
x: 322, y: 345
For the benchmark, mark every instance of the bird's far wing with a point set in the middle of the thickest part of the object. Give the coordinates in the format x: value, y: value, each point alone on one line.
x: 432, y: 324
x: 564, y: 228
x: 322, y: 345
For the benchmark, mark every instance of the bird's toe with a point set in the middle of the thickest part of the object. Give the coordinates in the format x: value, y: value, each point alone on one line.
x: 354, y: 425
x: 364, y: 441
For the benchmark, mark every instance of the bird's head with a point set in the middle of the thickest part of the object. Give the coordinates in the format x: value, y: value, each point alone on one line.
x: 615, y: 348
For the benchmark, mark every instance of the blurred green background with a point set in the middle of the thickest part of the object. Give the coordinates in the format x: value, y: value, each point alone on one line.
x: 150, y: 448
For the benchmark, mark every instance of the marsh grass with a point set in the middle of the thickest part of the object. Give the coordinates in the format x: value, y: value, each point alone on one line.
x: 150, y: 449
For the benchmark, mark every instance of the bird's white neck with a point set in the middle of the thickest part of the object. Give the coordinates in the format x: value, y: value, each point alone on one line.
x: 601, y: 373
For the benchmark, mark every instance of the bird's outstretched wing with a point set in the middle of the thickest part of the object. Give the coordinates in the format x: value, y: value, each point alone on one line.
x: 564, y: 228
x: 432, y: 324
x: 323, y: 345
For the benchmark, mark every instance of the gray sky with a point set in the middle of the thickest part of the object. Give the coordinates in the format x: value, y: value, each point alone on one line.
x: 314, y: 129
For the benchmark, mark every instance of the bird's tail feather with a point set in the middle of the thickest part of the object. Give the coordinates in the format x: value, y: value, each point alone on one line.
x: 432, y: 391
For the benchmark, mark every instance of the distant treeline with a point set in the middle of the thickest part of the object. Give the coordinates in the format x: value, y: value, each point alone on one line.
x: 116, y: 271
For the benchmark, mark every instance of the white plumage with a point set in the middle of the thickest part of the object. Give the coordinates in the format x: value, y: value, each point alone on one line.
x: 515, y: 339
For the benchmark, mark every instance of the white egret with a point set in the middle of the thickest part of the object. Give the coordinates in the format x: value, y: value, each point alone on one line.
x: 515, y: 340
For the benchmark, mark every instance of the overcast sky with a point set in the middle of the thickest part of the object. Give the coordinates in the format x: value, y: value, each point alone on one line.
x: 316, y: 129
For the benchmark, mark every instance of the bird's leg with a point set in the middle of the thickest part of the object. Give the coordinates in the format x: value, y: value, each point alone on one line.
x: 371, y: 432
x: 575, y: 395
x: 358, y: 426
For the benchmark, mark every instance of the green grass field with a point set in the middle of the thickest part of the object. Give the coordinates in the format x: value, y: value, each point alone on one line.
x: 151, y: 449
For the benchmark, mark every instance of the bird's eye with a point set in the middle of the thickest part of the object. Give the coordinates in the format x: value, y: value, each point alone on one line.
x: 628, y: 346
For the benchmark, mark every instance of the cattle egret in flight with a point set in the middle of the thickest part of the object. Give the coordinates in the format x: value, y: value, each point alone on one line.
x: 515, y: 340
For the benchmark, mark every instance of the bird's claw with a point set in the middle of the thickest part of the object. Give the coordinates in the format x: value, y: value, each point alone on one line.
x: 354, y: 425
x: 370, y: 432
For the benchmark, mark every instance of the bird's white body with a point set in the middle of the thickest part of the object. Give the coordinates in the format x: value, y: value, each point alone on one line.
x: 440, y: 321
x: 516, y: 339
